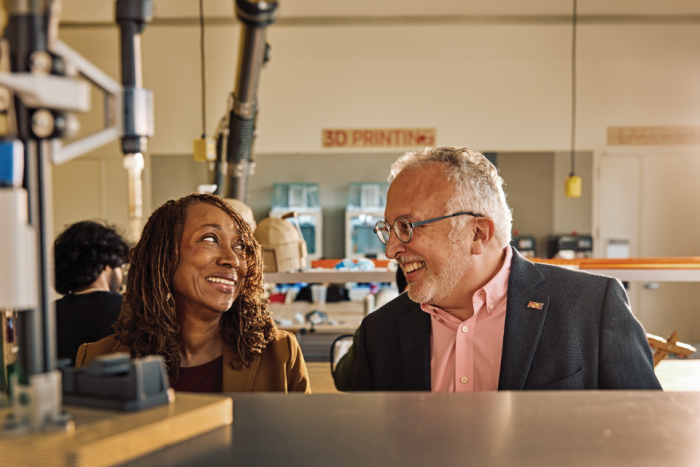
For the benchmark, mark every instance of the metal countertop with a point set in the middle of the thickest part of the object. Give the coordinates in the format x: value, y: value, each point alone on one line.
x: 577, y: 428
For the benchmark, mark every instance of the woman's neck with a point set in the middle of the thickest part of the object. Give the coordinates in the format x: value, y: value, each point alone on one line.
x: 200, y: 341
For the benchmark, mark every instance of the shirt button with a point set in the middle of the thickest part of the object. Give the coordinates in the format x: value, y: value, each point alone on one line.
x: 464, y: 379
x: 465, y: 329
x: 490, y: 307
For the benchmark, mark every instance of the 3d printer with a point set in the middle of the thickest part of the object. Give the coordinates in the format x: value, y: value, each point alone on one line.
x: 303, y: 199
x: 366, y: 203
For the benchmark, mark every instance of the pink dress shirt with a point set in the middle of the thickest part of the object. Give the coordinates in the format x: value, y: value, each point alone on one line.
x: 465, y: 356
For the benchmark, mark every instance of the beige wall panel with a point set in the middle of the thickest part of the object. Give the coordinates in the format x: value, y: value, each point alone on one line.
x: 528, y: 190
x: 77, y: 192
x: 488, y: 87
x: 573, y: 214
x: 190, y: 8
x: 85, y: 10
x: 174, y: 177
x: 639, y: 7
x: 636, y: 75
x: 114, y: 193
x: 619, y: 193
x: 172, y: 70
x: 421, y: 7
x: 671, y: 205
x: 368, y: 77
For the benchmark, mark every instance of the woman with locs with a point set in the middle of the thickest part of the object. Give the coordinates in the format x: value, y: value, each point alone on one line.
x: 193, y: 296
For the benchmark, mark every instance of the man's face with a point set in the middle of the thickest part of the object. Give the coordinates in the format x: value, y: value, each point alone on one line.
x: 434, y: 261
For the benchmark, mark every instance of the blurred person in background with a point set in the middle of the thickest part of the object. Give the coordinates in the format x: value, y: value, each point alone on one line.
x: 89, y: 258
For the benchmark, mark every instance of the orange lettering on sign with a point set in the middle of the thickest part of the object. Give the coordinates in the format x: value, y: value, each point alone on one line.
x: 379, y: 137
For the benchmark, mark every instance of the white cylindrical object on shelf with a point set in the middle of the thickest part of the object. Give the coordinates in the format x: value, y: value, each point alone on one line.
x: 18, y: 272
x: 318, y: 293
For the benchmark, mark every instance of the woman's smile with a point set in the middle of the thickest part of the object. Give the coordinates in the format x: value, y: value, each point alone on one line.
x: 223, y: 283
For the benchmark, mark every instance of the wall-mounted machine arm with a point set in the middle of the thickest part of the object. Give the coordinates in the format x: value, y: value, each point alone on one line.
x: 255, y: 16
x: 38, y: 93
x: 132, y: 16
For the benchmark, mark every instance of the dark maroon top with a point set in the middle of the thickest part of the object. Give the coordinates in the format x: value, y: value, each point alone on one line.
x: 202, y: 378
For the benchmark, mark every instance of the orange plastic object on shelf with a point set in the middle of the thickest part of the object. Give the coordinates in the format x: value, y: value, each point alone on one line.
x: 677, y: 262
x: 330, y: 263
x: 557, y: 261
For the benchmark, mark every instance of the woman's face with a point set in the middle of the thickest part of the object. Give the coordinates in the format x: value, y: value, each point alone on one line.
x: 212, y: 265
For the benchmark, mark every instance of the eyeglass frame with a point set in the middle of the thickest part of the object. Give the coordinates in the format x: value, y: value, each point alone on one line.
x: 412, y: 225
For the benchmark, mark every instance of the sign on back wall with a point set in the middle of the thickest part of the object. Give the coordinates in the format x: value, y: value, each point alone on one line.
x: 378, y: 137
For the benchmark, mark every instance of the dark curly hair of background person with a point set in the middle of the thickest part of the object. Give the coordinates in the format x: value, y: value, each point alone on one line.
x: 83, y: 250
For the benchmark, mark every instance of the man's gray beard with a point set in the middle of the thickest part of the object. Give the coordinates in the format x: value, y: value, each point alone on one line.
x: 436, y: 286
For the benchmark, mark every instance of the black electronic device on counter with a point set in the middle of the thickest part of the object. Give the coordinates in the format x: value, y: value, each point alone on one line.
x: 525, y: 244
x: 569, y: 246
x: 118, y: 382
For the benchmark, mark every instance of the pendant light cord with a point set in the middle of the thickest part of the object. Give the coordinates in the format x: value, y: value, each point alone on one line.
x: 201, y: 55
x: 573, y: 93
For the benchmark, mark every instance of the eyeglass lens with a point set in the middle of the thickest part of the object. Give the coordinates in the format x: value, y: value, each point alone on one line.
x: 382, y: 230
x: 401, y: 227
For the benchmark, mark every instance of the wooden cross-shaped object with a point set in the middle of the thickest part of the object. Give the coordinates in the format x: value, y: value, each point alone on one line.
x: 662, y: 347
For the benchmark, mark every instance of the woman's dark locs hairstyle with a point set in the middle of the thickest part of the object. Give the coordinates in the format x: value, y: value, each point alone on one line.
x: 83, y: 250
x: 148, y: 323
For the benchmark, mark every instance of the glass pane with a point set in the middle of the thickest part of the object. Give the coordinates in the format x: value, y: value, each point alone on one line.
x: 364, y: 240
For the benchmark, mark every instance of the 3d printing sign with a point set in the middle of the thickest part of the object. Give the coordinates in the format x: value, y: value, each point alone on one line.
x: 378, y: 137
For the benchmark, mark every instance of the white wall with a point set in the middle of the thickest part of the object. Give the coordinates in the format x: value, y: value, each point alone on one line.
x: 491, y: 75
x: 500, y: 82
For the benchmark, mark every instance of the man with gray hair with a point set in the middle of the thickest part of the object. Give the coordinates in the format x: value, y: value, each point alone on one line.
x: 477, y: 316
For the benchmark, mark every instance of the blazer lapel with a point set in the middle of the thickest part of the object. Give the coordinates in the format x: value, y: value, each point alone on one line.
x: 415, y: 349
x: 524, y: 323
x: 241, y: 378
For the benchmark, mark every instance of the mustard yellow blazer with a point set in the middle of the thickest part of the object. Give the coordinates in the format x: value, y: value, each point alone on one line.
x: 280, y: 368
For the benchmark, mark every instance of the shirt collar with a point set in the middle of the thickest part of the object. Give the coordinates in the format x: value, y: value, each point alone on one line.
x: 496, y: 290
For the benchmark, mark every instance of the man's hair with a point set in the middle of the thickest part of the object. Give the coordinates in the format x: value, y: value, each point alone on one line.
x: 148, y: 324
x: 479, y: 187
x: 83, y: 251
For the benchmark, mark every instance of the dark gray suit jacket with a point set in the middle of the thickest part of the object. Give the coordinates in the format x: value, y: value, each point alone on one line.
x: 584, y: 337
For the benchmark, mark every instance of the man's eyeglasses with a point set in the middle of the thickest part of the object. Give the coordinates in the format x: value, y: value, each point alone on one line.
x: 404, y: 229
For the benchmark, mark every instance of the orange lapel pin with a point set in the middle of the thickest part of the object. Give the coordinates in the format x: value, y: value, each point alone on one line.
x: 535, y: 305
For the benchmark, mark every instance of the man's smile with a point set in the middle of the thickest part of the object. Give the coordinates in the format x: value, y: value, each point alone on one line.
x: 412, y: 266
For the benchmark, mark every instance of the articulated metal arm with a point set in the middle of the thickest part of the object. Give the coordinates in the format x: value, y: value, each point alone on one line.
x: 255, y: 17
